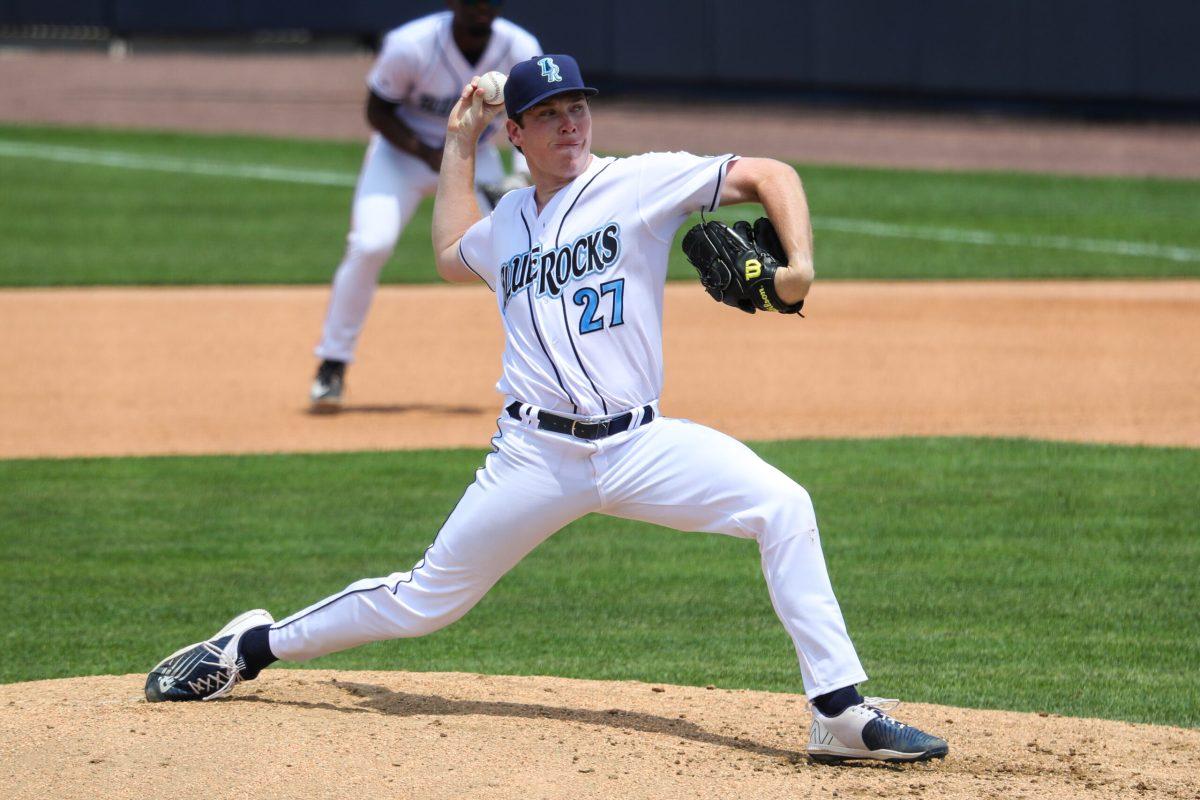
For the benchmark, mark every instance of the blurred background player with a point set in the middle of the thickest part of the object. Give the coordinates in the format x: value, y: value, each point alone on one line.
x: 413, y: 86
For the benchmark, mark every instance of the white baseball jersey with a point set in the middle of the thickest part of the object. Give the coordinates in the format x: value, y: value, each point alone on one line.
x: 580, y: 285
x: 421, y: 69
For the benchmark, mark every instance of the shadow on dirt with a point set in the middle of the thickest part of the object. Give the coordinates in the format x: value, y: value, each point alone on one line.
x: 378, y: 699
x: 411, y: 408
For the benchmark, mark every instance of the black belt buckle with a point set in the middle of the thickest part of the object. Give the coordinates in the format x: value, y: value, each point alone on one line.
x: 589, y: 430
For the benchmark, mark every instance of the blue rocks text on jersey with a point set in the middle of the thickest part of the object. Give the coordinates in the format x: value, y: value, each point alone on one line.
x: 550, y: 270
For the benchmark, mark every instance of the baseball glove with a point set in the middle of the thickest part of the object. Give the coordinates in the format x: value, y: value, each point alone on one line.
x: 737, y: 265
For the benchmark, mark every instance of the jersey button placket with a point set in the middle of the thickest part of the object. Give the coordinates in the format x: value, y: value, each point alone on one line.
x: 599, y: 461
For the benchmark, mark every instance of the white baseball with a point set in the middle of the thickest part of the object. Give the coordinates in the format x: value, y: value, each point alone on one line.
x: 492, y: 84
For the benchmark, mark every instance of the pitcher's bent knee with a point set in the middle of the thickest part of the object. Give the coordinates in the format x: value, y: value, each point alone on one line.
x: 784, y: 512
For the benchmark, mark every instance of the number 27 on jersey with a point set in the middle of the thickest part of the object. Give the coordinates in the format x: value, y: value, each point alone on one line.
x: 592, y: 320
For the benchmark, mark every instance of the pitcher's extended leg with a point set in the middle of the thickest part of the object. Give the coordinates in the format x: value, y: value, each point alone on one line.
x: 520, y: 497
x: 686, y: 476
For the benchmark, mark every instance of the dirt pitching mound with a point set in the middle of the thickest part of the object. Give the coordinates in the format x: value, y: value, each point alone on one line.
x: 301, y: 733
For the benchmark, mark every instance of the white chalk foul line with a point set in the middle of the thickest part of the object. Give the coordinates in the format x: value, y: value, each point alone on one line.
x: 113, y: 158
x: 122, y: 160
x: 1114, y: 247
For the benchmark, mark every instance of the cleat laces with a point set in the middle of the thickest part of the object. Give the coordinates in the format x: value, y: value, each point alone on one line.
x: 881, y: 705
x: 216, y: 681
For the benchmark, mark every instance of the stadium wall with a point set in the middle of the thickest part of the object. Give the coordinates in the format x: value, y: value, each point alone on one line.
x: 1066, y: 50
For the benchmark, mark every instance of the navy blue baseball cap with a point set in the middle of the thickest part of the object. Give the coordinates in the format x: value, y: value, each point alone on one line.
x: 539, y: 78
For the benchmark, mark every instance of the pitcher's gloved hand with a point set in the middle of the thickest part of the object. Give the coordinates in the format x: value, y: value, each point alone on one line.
x: 737, y: 265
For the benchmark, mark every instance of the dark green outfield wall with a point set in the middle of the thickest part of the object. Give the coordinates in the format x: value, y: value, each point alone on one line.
x: 1133, y: 51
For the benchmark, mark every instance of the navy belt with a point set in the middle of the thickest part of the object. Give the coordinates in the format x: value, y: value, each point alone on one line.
x: 581, y: 429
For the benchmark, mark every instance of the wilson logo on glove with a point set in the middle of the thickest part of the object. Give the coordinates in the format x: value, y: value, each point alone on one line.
x: 737, y: 265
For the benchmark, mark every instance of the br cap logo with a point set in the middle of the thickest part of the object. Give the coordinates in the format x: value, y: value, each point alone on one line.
x: 550, y: 70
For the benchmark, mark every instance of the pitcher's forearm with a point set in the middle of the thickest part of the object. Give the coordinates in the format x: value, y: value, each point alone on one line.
x: 777, y: 187
x: 455, y: 208
x: 782, y: 196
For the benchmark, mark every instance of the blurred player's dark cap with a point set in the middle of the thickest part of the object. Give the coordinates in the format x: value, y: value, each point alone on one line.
x: 541, y: 78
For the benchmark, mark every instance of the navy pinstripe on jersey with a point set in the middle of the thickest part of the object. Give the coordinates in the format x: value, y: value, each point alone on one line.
x: 598, y: 250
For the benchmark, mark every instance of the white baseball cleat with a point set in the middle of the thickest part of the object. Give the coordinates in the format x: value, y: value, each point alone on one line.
x: 205, y: 670
x: 864, y: 731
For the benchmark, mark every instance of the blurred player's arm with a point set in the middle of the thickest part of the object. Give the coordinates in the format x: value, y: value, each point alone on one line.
x: 777, y: 186
x: 455, y: 208
x: 381, y: 115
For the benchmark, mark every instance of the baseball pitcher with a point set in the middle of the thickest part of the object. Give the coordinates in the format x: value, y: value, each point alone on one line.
x: 577, y: 262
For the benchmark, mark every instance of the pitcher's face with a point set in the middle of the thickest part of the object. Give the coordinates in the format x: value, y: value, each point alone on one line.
x: 556, y: 135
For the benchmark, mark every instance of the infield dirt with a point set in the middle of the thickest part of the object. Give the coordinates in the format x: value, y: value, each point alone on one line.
x: 153, y: 371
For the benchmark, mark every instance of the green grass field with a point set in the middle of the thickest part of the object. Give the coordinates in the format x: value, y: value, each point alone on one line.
x: 988, y: 573
x: 70, y: 222
x: 985, y: 573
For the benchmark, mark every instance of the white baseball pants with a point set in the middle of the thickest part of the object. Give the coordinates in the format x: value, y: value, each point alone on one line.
x: 390, y: 186
x: 670, y: 472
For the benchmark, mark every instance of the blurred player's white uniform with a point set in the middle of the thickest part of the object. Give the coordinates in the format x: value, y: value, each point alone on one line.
x: 422, y: 70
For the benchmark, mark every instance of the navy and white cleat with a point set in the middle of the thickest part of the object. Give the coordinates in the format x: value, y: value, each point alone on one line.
x: 205, y: 670
x: 864, y: 731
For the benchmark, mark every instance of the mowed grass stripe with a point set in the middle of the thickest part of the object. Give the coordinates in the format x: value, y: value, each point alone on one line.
x: 986, y: 573
x: 181, y: 166
x: 988, y: 239
x: 866, y: 227
x: 73, y: 219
